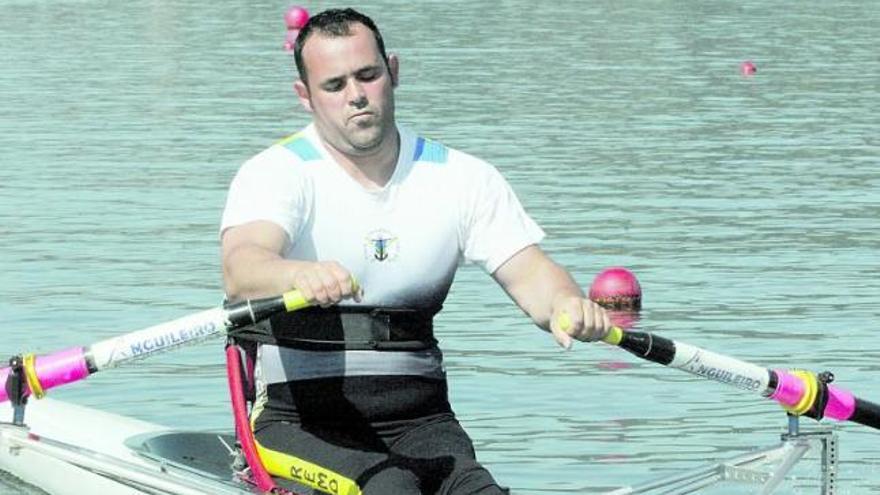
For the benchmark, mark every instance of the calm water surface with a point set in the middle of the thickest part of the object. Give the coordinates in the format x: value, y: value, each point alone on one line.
x: 748, y: 207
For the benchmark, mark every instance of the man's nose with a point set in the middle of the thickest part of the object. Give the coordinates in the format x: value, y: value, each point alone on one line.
x: 356, y: 95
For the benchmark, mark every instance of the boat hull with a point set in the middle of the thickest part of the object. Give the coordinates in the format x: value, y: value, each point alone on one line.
x: 66, y: 449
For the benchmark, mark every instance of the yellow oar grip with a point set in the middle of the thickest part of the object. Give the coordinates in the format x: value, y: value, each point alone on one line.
x: 613, y: 337
x: 811, y: 390
x: 564, y: 321
x: 294, y: 300
x: 30, y: 373
x: 355, y: 285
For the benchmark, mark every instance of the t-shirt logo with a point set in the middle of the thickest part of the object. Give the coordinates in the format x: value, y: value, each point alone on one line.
x: 381, y: 245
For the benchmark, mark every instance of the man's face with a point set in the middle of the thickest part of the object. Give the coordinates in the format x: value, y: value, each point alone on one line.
x: 350, y: 91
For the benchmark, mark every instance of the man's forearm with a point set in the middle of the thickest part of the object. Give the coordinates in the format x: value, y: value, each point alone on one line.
x: 548, y: 284
x: 252, y: 271
x: 534, y: 282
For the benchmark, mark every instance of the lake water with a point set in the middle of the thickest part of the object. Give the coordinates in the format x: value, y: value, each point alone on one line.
x: 747, y: 206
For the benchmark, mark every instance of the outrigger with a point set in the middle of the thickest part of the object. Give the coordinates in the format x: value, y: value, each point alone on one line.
x: 49, y: 443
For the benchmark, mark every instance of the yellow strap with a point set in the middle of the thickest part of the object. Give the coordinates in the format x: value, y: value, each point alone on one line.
x: 30, y: 374
x: 811, y: 391
x: 293, y: 468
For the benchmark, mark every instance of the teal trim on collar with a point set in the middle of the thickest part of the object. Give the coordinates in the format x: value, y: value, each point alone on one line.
x: 430, y: 151
x: 303, y: 148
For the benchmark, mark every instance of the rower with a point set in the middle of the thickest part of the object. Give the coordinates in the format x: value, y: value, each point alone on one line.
x: 353, y: 394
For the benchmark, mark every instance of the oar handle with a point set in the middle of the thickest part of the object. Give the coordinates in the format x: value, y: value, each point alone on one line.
x: 250, y: 311
x: 614, y: 336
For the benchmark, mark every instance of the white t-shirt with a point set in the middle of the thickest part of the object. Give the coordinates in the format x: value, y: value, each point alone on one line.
x: 404, y: 242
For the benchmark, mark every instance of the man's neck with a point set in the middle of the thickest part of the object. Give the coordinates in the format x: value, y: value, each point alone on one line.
x: 371, y: 171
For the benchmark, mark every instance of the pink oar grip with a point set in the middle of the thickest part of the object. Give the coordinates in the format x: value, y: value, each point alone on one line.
x: 54, y: 369
x: 841, y: 404
x: 789, y: 389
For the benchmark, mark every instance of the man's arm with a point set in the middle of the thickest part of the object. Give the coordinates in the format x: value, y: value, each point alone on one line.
x: 545, y: 290
x: 253, y: 266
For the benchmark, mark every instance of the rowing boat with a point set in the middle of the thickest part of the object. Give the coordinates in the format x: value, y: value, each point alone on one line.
x: 67, y: 449
x: 60, y: 452
x: 53, y: 445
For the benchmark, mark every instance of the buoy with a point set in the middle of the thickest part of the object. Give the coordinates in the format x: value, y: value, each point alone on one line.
x: 618, y: 291
x: 296, y: 17
x: 748, y: 68
x: 616, y: 288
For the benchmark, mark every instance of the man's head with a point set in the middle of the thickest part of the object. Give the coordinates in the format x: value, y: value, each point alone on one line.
x: 333, y: 22
x: 347, y: 82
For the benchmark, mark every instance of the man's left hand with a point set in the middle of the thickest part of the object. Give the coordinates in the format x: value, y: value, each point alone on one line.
x: 578, y: 318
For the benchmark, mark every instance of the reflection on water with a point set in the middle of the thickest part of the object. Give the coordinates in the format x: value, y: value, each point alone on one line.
x: 747, y: 206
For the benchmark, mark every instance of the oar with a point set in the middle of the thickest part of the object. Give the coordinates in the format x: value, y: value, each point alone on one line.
x: 42, y: 373
x: 799, y: 392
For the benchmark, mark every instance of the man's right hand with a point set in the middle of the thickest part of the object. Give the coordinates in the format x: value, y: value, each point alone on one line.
x: 253, y: 266
x: 325, y: 283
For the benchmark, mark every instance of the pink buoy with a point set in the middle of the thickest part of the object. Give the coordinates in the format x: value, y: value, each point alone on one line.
x: 616, y: 288
x: 296, y: 17
x: 748, y: 68
x: 618, y: 291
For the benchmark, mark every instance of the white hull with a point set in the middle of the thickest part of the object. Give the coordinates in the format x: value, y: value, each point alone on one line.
x: 73, y: 450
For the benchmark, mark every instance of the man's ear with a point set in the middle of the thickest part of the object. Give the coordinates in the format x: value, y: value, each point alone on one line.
x: 394, y: 69
x: 302, y: 91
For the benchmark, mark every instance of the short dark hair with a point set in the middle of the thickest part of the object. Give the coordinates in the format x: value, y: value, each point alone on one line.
x: 333, y: 22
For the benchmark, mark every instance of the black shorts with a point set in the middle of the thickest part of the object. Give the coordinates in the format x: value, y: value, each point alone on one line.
x: 347, y: 451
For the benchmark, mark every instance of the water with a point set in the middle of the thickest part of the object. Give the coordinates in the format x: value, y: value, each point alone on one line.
x: 747, y: 206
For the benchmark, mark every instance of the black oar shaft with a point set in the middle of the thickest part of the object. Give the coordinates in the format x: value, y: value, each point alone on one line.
x: 648, y: 346
x: 867, y: 413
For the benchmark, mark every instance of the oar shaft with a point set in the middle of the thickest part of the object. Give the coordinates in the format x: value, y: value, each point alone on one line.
x: 74, y: 364
x: 694, y: 360
x: 798, y: 392
x: 866, y: 413
x: 157, y: 339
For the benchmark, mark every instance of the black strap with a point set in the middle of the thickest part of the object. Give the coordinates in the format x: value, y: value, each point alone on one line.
x: 348, y: 328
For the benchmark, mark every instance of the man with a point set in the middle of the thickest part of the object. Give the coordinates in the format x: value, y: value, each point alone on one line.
x: 352, y: 393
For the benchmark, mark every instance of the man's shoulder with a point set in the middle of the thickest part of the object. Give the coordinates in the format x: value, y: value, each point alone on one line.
x: 285, y: 153
x: 301, y: 145
x: 432, y: 151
